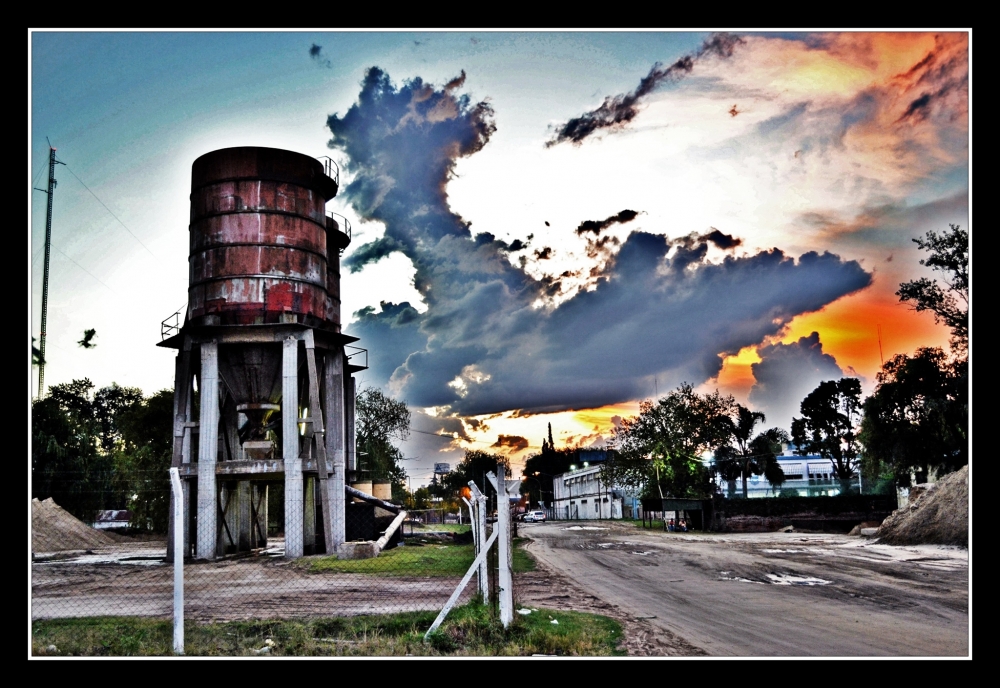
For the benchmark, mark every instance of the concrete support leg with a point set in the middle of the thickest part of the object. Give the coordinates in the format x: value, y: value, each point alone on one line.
x: 294, y: 510
x: 187, y: 455
x: 336, y: 436
x: 208, y: 449
x: 182, y: 384
x: 242, y: 517
x: 307, y: 502
x: 350, y: 397
x: 258, y: 517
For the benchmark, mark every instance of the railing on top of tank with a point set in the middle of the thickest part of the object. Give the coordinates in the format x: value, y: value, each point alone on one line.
x: 171, y: 325
x: 342, y: 222
x: 357, y: 351
x: 330, y: 168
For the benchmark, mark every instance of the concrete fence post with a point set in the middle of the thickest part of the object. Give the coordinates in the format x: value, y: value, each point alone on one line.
x: 505, y: 580
x: 178, y: 512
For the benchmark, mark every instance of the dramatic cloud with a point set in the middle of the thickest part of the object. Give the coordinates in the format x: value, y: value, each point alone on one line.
x: 617, y: 111
x: 786, y: 374
x: 596, y: 227
x: 512, y: 442
x: 873, y: 113
x: 491, y: 339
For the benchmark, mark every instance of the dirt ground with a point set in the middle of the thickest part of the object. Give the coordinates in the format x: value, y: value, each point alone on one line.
x: 132, y: 580
x: 789, y: 594
x: 763, y: 594
x: 551, y: 590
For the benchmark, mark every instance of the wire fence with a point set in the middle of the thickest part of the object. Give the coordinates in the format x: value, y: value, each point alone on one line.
x: 256, y: 555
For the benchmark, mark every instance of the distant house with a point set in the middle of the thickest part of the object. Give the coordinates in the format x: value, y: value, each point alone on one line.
x: 112, y: 518
x: 807, y: 476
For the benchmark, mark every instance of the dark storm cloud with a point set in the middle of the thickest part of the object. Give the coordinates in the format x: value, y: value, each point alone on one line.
x: 484, y: 345
x: 617, y: 111
x: 596, y: 226
x: 723, y: 241
x: 786, y: 374
x: 917, y: 109
x: 372, y: 252
x: 316, y: 53
x: 514, y: 442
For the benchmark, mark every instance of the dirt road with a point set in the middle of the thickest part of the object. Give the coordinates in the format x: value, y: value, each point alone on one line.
x: 770, y: 594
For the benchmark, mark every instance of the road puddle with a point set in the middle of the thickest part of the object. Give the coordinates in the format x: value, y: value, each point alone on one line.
x: 786, y: 579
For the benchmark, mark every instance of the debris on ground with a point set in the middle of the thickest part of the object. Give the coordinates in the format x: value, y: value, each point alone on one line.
x: 54, y: 529
x: 938, y: 516
x: 545, y: 587
x: 864, y: 526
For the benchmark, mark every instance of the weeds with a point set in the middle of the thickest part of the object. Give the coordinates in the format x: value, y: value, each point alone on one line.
x: 470, y: 630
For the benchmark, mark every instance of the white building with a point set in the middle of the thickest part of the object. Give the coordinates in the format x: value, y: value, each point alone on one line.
x: 808, y: 476
x: 582, y: 494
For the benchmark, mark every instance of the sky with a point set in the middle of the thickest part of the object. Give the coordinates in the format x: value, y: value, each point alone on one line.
x: 548, y: 227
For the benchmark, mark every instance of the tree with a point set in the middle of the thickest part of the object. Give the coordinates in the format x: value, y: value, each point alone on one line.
x: 660, y: 450
x: 67, y: 461
x: 949, y: 253
x: 917, y: 418
x: 474, y: 466
x: 829, y: 426
x: 541, y: 468
x: 108, y: 449
x: 36, y: 354
x: 741, y: 456
x: 379, y: 421
x: 142, y: 459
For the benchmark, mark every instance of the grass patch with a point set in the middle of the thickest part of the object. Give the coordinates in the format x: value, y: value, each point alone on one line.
x: 419, y: 558
x: 436, y: 528
x: 470, y: 630
x: 412, y: 559
x: 522, y: 560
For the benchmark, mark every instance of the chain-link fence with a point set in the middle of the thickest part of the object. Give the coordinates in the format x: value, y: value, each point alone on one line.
x: 269, y: 560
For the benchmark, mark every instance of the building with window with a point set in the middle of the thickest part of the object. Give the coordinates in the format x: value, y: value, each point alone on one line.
x: 581, y: 494
x: 805, y: 476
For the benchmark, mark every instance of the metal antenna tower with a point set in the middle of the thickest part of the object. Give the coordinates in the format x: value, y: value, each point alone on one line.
x: 45, y: 273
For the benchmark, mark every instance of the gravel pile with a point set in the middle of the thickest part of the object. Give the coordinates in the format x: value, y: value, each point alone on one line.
x: 939, y: 515
x: 54, y: 529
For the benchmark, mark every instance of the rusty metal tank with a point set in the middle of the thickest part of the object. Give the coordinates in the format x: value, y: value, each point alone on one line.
x: 261, y: 240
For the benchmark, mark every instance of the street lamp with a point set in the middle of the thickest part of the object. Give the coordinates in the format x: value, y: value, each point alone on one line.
x: 528, y: 477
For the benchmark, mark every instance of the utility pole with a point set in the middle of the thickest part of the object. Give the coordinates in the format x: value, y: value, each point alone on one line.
x: 45, y: 273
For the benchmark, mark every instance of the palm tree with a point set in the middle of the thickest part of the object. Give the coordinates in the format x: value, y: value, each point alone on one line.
x: 742, y: 456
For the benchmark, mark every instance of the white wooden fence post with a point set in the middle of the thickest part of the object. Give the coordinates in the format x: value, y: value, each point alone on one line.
x: 479, y: 499
x: 504, y: 579
x: 175, y: 484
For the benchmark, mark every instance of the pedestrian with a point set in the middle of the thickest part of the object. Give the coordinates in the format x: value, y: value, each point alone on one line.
x: 683, y: 526
x: 671, y: 526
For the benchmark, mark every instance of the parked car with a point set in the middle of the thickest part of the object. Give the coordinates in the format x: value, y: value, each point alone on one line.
x: 534, y: 516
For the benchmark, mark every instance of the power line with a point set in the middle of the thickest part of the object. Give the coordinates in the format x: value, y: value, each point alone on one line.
x: 84, y: 269
x: 109, y: 210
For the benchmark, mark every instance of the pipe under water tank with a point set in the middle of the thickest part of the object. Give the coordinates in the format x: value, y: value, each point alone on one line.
x: 263, y: 249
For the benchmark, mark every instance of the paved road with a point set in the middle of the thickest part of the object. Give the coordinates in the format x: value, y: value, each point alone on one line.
x: 770, y: 594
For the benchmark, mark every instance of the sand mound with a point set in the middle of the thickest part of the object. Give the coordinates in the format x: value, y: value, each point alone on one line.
x: 54, y: 529
x: 938, y: 516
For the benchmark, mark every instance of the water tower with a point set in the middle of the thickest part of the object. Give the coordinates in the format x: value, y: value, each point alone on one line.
x: 264, y: 388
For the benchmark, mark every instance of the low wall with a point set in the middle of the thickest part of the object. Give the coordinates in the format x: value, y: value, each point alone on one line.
x: 831, y: 514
